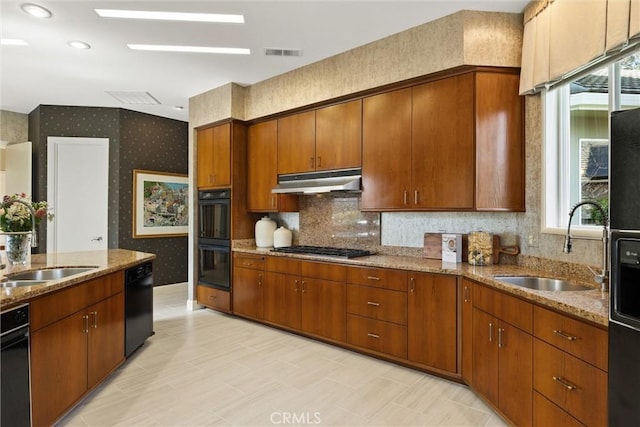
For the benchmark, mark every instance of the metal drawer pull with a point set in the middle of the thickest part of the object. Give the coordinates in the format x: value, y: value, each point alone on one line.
x: 564, y: 335
x: 490, y: 332
x: 566, y: 384
x: 95, y: 319
x: 85, y: 324
x: 373, y: 335
x: 404, y: 198
x: 248, y: 264
x: 373, y: 278
x: 500, y: 340
x: 375, y: 304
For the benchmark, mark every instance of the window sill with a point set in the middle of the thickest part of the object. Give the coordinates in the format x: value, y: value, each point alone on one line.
x: 576, y: 231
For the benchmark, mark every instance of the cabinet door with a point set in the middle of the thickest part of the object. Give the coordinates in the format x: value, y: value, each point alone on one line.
x: 499, y: 143
x: 297, y: 143
x: 324, y: 308
x: 58, y: 367
x: 485, y: 355
x: 262, y: 169
x: 386, y: 150
x: 339, y: 136
x: 221, y: 156
x: 106, y: 337
x: 282, y: 299
x: 515, y: 374
x: 432, y: 320
x: 467, y: 331
x: 247, y: 292
x: 442, y: 151
x: 205, y: 156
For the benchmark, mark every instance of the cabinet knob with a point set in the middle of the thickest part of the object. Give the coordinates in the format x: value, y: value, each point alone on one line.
x: 375, y: 304
x: 566, y: 384
x: 373, y: 335
x: 373, y: 278
x: 416, y: 194
x: 312, y: 163
x: 564, y: 335
x: 404, y: 197
x: 319, y: 161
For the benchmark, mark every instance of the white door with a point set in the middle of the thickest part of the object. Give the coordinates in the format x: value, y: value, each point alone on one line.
x: 77, y: 190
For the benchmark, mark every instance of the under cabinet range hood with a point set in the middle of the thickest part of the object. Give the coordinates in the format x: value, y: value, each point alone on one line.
x: 319, y: 182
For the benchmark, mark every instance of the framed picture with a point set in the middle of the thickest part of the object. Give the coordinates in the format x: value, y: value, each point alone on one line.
x: 160, y: 204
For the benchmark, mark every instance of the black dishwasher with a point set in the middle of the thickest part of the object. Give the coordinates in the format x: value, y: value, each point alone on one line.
x: 138, y: 303
x: 15, y: 406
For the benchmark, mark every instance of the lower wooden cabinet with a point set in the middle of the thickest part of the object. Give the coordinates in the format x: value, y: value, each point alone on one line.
x: 214, y: 298
x: 248, y: 292
x: 546, y: 414
x: 466, y: 331
x: 376, y: 335
x: 73, y: 353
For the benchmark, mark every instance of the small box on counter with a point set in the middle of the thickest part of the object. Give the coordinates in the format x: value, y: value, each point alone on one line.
x: 452, y: 248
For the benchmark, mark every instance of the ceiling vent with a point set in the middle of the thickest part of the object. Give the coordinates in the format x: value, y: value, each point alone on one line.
x: 134, y: 97
x: 273, y: 51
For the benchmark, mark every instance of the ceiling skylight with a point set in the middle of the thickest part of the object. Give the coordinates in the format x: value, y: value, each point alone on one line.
x: 190, y: 49
x: 170, y: 16
x: 13, y: 42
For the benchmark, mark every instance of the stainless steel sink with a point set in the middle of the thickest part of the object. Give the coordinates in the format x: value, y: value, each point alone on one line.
x: 20, y: 283
x: 49, y: 273
x: 542, y: 283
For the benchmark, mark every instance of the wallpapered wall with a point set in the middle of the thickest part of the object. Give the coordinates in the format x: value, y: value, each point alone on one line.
x: 136, y: 141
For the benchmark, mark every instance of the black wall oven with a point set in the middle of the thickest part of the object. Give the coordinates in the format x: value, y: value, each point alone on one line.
x: 214, y: 244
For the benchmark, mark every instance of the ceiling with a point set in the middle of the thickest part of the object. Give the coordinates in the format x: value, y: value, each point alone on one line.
x: 49, y: 72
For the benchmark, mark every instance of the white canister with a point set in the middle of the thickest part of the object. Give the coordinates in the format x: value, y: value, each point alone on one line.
x: 264, y: 232
x: 282, y: 237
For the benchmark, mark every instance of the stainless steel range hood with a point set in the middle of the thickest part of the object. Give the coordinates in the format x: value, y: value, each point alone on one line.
x: 319, y: 182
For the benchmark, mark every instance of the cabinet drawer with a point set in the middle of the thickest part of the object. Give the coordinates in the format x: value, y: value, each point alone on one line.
x: 381, y: 304
x: 324, y: 270
x: 574, y: 385
x: 213, y: 298
x: 378, y: 277
x: 512, y: 310
x: 280, y: 264
x: 546, y: 414
x: 377, y: 335
x: 255, y: 262
x: 580, y: 339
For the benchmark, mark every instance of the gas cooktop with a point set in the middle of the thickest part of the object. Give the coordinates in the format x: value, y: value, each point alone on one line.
x: 325, y: 251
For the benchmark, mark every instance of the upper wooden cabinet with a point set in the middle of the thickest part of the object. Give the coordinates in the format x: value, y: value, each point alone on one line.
x: 262, y: 171
x: 325, y: 139
x: 451, y: 144
x: 214, y: 156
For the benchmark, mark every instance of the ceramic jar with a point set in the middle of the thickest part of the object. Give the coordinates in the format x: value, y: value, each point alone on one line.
x: 282, y: 237
x: 264, y: 232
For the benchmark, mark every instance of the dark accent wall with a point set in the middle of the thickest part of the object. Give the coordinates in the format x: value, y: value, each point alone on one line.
x: 136, y: 141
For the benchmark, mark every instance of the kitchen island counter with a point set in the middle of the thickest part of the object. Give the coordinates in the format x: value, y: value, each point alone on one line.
x: 590, y: 305
x: 105, y: 261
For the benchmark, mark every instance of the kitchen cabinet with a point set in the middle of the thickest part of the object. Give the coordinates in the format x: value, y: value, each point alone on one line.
x: 433, y: 319
x: 213, y: 298
x: 546, y: 414
x: 503, y: 353
x: 306, y: 296
x: 570, y: 362
x: 262, y: 171
x: 454, y: 143
x: 248, y: 285
x: 466, y: 326
x: 77, y: 339
x: 214, y: 156
x: 324, y: 139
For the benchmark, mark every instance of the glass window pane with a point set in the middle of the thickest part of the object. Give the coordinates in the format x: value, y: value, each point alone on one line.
x: 630, y: 82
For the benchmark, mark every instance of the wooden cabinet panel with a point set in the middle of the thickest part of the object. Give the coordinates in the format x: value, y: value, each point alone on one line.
x: 433, y: 318
x: 378, y: 277
x: 204, y: 162
x: 214, y: 156
x: 386, y: 150
x: 580, y: 339
x: 499, y: 142
x: 297, y: 143
x: 283, y: 265
x: 546, y: 414
x: 515, y: 390
x: 376, y: 335
x: 248, y: 292
x: 485, y: 354
x: 324, y: 310
x: 442, y: 149
x: 324, y: 270
x: 255, y: 262
x: 466, y: 326
x: 282, y: 299
x: 510, y: 309
x: 575, y: 386
x: 339, y: 136
x: 375, y: 303
x: 213, y: 298
x: 106, y: 337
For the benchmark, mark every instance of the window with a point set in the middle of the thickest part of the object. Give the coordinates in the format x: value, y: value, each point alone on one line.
x: 576, y: 165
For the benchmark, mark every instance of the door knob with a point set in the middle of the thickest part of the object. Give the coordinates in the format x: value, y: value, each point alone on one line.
x: 97, y: 239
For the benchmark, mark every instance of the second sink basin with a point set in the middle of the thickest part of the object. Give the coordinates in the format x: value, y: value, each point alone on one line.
x: 49, y: 273
x: 541, y: 283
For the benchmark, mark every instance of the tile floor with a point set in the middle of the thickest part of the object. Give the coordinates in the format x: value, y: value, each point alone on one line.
x: 206, y: 368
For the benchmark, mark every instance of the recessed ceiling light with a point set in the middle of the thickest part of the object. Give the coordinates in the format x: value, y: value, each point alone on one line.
x: 178, y: 107
x: 191, y: 49
x: 13, y: 42
x: 170, y: 16
x: 37, y: 11
x: 77, y: 44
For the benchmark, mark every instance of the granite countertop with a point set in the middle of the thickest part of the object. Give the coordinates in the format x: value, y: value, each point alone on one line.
x: 106, y: 261
x: 591, y: 305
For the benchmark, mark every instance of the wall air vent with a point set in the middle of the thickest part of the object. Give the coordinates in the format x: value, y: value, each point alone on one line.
x: 274, y: 51
x: 134, y: 97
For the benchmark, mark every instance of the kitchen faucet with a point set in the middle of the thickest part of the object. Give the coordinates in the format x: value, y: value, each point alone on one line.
x: 34, y: 237
x: 604, y: 275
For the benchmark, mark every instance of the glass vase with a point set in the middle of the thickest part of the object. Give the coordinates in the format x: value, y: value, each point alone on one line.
x: 17, y: 245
